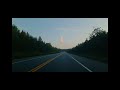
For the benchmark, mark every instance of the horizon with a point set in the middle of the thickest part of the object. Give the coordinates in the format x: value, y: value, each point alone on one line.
x: 63, y: 33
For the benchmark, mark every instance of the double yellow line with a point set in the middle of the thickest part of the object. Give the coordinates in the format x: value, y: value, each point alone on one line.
x: 43, y: 64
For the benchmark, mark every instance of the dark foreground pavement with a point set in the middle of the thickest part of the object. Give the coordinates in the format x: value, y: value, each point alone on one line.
x: 59, y: 62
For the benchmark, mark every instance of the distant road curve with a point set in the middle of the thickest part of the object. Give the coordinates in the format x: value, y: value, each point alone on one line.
x: 59, y: 62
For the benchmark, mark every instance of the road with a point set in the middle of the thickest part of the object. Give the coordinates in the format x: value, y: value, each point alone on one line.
x: 59, y: 62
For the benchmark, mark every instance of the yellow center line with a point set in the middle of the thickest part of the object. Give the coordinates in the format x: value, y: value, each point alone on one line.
x: 43, y: 64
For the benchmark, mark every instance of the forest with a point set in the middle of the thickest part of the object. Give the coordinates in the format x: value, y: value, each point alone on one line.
x: 95, y: 47
x: 25, y: 45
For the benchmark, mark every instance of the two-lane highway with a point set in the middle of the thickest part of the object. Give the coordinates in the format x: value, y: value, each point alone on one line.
x: 59, y: 62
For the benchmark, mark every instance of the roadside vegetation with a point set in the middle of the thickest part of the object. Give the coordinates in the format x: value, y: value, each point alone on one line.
x: 25, y: 45
x: 95, y: 47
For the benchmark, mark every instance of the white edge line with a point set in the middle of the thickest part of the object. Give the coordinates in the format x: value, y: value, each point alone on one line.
x: 25, y: 60
x: 29, y: 59
x: 81, y: 64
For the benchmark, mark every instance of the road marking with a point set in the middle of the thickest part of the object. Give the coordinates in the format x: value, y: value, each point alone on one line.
x: 43, y: 64
x: 30, y: 59
x: 81, y: 64
x: 25, y: 60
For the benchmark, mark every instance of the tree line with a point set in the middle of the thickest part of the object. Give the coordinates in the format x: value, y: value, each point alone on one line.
x: 24, y: 45
x: 95, y: 47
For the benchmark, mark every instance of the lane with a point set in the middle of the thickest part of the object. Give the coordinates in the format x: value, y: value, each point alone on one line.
x: 30, y: 58
x: 64, y: 63
x: 94, y: 65
x: 27, y: 64
x: 44, y: 64
x: 59, y: 62
x: 81, y: 64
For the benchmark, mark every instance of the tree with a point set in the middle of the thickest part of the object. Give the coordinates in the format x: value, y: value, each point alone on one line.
x: 27, y: 45
x: 40, y: 39
x: 97, y: 45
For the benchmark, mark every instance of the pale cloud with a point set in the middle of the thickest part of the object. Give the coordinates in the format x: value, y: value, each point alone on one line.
x: 61, y: 40
x: 68, y: 28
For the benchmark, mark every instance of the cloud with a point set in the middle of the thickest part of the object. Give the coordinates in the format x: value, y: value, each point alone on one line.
x: 61, y: 39
x: 68, y: 28
x: 76, y: 29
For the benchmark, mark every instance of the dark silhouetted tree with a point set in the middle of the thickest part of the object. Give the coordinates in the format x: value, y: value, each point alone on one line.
x: 23, y: 43
x: 96, y: 45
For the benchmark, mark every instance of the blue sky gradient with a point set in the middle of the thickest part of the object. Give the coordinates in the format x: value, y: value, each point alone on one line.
x: 52, y: 30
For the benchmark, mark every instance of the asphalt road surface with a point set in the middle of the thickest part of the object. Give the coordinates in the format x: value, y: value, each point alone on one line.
x: 59, y: 62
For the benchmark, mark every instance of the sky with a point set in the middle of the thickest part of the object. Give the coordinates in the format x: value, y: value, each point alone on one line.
x: 62, y: 33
